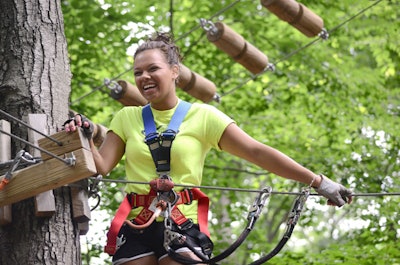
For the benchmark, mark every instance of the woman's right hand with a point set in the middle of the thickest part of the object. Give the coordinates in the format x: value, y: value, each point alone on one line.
x: 77, y: 121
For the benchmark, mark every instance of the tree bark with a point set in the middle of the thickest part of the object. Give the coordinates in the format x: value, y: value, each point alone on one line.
x: 35, y: 78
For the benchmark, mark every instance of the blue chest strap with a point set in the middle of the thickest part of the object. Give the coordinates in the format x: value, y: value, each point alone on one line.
x: 160, y: 143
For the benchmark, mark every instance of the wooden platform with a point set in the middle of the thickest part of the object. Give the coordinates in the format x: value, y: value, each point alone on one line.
x: 51, y: 173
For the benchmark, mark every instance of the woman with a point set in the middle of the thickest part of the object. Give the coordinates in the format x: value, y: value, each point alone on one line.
x: 156, y: 70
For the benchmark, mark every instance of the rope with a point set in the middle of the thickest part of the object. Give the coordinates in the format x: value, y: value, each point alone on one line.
x: 375, y: 194
x: 30, y: 127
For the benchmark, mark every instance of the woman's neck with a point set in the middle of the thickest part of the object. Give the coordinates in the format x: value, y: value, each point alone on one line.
x: 166, y: 104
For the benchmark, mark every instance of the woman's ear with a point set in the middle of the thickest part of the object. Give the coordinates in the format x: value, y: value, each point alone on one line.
x: 175, y: 71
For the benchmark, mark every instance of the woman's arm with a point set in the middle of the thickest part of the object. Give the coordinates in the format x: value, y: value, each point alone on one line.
x: 109, y: 154
x: 235, y: 141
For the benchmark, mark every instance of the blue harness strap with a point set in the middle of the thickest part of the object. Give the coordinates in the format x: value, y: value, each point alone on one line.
x: 160, y: 143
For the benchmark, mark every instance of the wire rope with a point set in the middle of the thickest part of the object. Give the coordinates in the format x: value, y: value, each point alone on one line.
x: 30, y: 127
x: 374, y: 194
x: 286, y: 57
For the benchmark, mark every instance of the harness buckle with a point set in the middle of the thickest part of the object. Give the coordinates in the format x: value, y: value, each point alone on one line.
x: 187, y: 196
x: 152, y: 138
x: 168, y: 135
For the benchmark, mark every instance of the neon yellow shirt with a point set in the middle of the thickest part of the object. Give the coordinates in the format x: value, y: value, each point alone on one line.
x: 200, y: 131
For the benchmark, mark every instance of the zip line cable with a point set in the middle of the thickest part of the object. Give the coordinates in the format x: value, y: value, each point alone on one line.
x: 131, y: 68
x: 98, y: 88
x: 223, y: 10
x: 356, y: 15
x: 375, y: 194
x: 69, y: 161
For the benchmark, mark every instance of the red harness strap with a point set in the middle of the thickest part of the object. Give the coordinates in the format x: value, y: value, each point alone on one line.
x: 144, y: 200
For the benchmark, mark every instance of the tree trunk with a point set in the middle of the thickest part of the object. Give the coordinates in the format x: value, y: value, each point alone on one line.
x: 35, y: 78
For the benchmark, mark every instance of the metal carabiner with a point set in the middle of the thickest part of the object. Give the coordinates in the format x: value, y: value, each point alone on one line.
x: 257, y: 206
x: 297, y: 208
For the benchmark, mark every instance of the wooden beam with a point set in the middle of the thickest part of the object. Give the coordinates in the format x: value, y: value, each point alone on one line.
x: 80, y: 201
x: 45, y: 204
x: 69, y: 141
x: 5, y: 155
x: 51, y: 173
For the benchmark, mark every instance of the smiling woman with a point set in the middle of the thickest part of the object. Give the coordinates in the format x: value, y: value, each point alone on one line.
x: 158, y: 222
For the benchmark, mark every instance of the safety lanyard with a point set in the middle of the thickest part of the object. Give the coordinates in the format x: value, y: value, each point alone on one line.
x: 160, y: 143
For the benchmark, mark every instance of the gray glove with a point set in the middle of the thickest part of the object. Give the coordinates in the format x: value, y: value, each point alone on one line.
x: 336, y: 193
x: 87, y: 126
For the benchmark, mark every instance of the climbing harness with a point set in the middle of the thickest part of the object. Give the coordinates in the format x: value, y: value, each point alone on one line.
x: 161, y: 198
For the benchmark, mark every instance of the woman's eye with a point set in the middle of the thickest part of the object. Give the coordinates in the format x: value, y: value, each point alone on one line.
x: 137, y: 73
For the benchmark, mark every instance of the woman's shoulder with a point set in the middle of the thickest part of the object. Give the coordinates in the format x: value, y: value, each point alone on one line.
x: 204, y: 107
x: 128, y: 112
x: 130, y: 109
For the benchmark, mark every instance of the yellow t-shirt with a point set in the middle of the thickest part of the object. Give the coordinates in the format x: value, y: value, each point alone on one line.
x: 200, y: 131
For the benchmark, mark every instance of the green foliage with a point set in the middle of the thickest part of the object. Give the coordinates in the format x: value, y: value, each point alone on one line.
x: 332, y: 106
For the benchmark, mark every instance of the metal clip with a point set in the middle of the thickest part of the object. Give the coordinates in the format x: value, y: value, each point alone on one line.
x: 70, y: 159
x: 324, y: 34
x: 14, y: 164
x: 270, y: 67
x: 113, y: 86
x: 171, y: 237
x: 258, y: 204
x: 94, y: 186
x: 120, y: 241
x: 208, y: 26
x: 297, y: 208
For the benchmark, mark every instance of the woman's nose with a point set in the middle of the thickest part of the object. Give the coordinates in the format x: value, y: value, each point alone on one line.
x: 146, y: 75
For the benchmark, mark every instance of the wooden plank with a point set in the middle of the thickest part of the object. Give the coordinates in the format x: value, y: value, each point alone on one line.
x: 5, y: 141
x: 45, y: 205
x: 5, y: 155
x: 70, y: 142
x: 80, y: 202
x: 83, y: 228
x: 47, y: 175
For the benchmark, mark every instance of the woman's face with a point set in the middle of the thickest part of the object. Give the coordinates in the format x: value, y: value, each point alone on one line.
x: 155, y: 78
